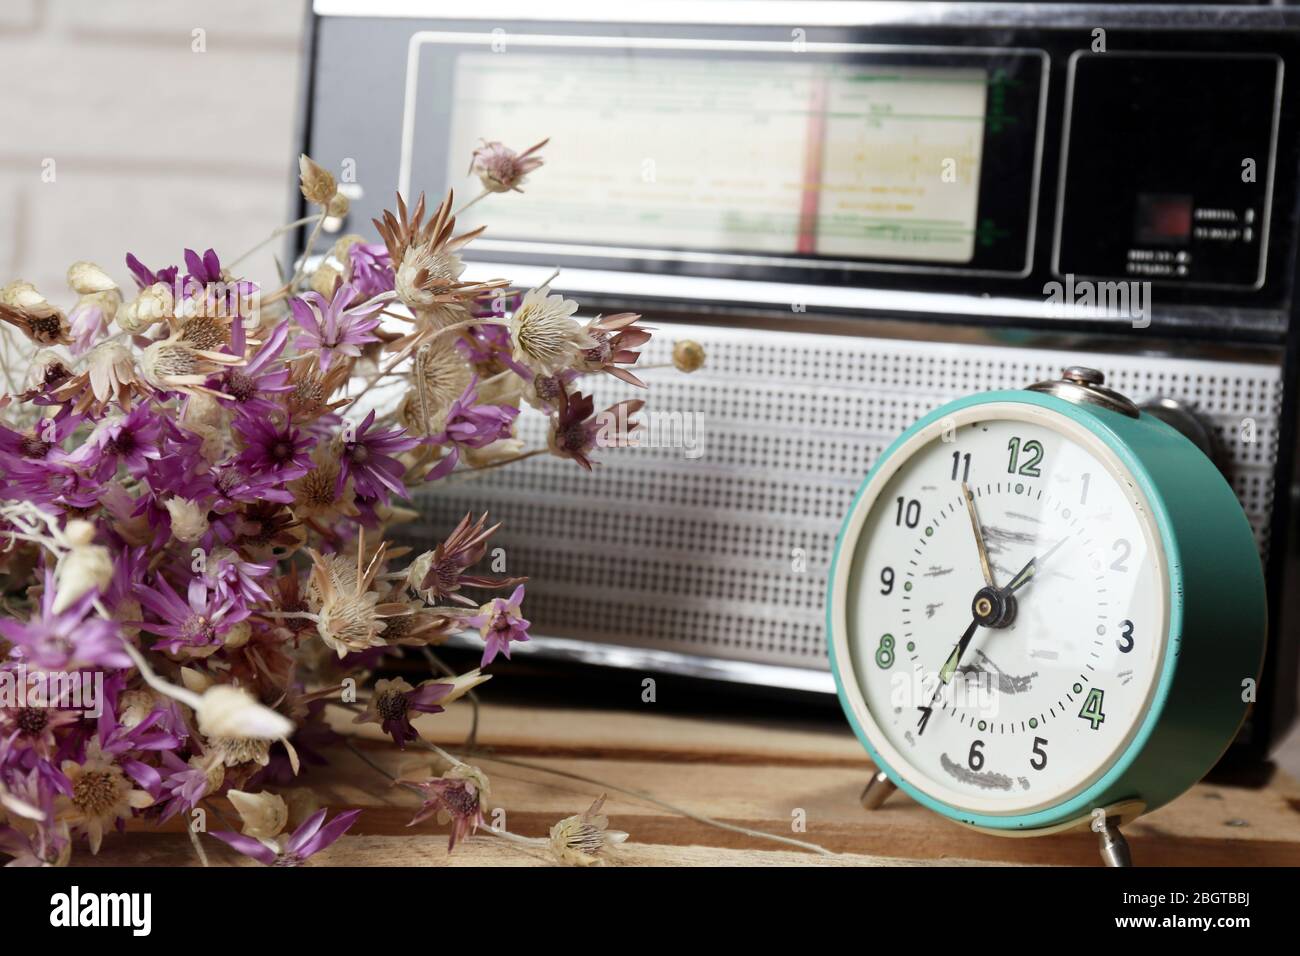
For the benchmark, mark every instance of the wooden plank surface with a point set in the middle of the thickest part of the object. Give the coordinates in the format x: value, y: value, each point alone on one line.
x: 750, y: 774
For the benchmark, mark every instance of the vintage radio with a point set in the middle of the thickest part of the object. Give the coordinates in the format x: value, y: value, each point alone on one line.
x: 862, y: 211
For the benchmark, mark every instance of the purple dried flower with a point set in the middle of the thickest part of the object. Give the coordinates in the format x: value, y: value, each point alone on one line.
x: 458, y: 794
x: 368, y: 460
x: 394, y: 701
x: 250, y: 385
x: 73, y: 638
x: 133, y: 440
x: 273, y: 448
x: 308, y: 839
x: 331, y: 326
x: 475, y: 425
x: 145, y: 277
x: 499, y: 622
x: 372, y: 269
x: 200, y: 621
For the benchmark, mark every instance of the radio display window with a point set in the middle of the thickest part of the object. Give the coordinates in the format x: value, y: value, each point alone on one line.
x: 829, y: 159
x: 826, y: 161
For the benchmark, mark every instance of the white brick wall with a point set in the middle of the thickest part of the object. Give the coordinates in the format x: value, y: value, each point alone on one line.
x: 156, y: 147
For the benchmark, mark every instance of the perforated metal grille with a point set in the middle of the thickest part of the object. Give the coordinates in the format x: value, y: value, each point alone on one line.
x: 703, y: 556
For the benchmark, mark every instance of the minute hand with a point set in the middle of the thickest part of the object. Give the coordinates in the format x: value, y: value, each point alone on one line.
x: 1024, y: 575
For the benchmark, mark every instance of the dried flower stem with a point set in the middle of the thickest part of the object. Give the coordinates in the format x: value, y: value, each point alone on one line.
x: 275, y: 234
x: 306, y: 252
x: 471, y: 741
x: 483, y: 195
x: 664, y: 804
x: 493, y: 830
x: 201, y: 853
x: 639, y: 794
x: 509, y: 461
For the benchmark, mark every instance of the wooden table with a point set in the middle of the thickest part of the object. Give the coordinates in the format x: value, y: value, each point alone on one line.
x: 746, y: 772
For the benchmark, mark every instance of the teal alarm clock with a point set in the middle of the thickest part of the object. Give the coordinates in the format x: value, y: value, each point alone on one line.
x: 1046, y: 611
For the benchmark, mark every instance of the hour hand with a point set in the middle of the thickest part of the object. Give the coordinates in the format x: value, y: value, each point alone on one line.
x: 979, y: 534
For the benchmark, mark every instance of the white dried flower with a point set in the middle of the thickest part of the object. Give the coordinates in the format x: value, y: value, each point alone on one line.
x: 189, y: 519
x: 577, y: 840
x: 135, y: 704
x: 425, y: 276
x: 263, y: 814
x: 111, y: 368
x: 544, y: 334
x: 226, y: 711
x: 86, y: 278
x: 23, y: 307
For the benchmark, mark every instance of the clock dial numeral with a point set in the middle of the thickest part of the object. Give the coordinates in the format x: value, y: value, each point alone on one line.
x: 924, y: 719
x: 975, y: 759
x: 1039, y: 759
x: 909, y: 513
x: 960, y: 466
x: 885, y: 651
x: 1091, y: 710
x: 886, y: 581
x: 1083, y: 495
x: 1125, y: 642
x: 1033, y: 452
x: 1122, y: 550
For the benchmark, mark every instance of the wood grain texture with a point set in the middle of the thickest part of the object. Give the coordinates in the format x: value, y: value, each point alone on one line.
x: 757, y: 776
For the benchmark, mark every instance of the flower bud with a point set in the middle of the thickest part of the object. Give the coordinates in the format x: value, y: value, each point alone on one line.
x: 151, y: 306
x: 226, y: 711
x: 315, y: 180
x: 87, y: 567
x: 323, y: 280
x: 238, y: 634
x: 22, y: 295
x: 86, y: 278
x: 688, y: 355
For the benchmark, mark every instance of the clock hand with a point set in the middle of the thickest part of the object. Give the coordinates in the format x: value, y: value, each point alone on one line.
x: 979, y: 534
x: 950, y: 665
x: 946, y: 673
x: 1024, y: 575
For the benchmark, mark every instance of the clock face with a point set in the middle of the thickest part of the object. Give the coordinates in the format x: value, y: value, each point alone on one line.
x: 1014, y: 696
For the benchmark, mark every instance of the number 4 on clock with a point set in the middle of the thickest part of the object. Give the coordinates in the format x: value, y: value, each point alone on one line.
x: 1091, y: 710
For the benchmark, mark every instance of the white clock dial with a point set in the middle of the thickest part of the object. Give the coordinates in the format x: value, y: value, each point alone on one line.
x: 1011, y: 698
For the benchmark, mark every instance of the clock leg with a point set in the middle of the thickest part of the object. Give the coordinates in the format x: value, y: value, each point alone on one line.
x: 1113, y: 846
x: 877, y: 791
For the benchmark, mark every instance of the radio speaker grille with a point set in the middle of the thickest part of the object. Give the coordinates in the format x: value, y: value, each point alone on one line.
x: 703, y: 556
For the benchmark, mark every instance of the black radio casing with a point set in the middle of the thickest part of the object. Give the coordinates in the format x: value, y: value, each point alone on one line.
x: 1150, y: 144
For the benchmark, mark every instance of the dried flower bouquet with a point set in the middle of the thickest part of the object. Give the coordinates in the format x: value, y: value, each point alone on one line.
x: 195, y: 510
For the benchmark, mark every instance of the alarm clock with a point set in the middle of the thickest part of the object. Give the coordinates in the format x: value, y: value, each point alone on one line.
x: 1046, y: 611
